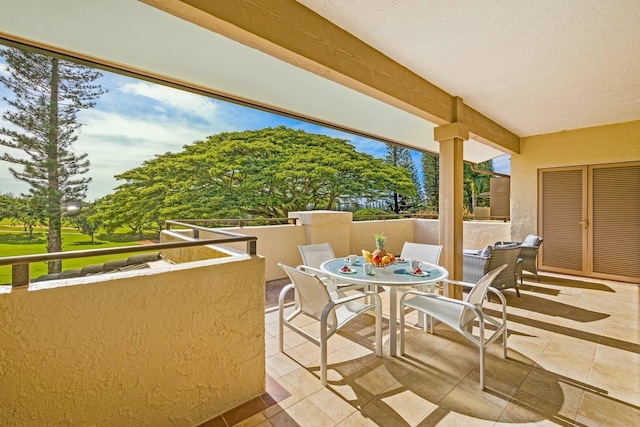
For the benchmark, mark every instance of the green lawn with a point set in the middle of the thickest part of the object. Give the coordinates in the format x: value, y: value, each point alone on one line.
x: 14, y: 242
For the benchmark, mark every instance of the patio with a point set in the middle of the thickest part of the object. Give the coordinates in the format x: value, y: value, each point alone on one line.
x: 574, y: 359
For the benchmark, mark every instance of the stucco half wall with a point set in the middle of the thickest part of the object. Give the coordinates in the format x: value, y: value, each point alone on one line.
x: 173, y: 345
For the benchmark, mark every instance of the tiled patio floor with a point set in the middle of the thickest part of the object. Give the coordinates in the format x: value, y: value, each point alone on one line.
x: 574, y: 359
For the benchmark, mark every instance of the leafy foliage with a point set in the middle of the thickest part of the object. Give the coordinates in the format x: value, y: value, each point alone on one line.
x: 431, y: 177
x: 401, y: 157
x: 48, y: 93
x: 263, y: 173
x: 475, y: 184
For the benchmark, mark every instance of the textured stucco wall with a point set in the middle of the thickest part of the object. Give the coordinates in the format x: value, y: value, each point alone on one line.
x: 276, y: 243
x: 597, y: 145
x: 172, y: 345
x: 397, y: 231
x: 326, y: 226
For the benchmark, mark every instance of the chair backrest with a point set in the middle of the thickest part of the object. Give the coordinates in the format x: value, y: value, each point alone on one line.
x: 311, y: 293
x: 422, y: 251
x: 478, y: 294
x: 504, y: 255
x: 314, y: 255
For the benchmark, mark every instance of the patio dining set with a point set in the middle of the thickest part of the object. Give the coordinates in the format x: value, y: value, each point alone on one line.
x: 332, y: 291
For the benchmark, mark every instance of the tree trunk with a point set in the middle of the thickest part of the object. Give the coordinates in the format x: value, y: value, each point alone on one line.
x: 54, y: 202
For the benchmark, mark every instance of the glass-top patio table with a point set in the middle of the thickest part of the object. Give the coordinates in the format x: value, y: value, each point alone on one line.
x: 390, y: 278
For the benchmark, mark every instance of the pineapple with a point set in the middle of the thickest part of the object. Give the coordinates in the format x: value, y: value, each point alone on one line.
x: 380, y: 253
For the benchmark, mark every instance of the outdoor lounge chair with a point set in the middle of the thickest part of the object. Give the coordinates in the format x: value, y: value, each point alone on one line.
x: 475, y: 266
x: 529, y: 255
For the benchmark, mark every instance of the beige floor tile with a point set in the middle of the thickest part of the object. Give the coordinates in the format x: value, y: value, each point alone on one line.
x: 332, y: 404
x: 503, y: 377
x: 477, y: 404
x: 444, y: 418
x: 616, y: 373
x: 574, y: 359
x: 303, y: 413
x: 605, y: 411
x: 258, y: 420
x: 281, y: 364
x: 531, y: 410
x: 304, y: 381
x: 406, y: 404
x: 558, y: 395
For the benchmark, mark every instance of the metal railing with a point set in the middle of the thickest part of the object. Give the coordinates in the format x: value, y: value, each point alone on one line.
x: 232, y: 222
x: 374, y: 217
x: 20, y: 264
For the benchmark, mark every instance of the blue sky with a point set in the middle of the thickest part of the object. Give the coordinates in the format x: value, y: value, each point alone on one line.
x: 135, y: 120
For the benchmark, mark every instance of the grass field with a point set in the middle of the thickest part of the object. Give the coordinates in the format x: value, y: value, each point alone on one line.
x: 14, y: 241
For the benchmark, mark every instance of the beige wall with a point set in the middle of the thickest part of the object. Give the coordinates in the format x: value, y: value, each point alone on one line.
x: 279, y: 243
x: 597, y: 145
x: 174, y: 345
x: 276, y: 243
x: 397, y: 231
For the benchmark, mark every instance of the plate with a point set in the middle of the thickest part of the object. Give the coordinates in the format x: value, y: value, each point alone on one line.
x: 401, y: 261
x: 352, y: 271
x: 423, y: 274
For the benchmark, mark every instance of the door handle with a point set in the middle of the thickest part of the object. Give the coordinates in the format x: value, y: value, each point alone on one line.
x: 585, y: 223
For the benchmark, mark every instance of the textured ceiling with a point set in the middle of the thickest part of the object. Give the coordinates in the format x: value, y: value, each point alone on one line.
x: 533, y: 66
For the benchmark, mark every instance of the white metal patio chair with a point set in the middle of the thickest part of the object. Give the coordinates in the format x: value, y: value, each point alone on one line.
x: 313, y: 256
x: 459, y: 315
x: 329, y: 308
x: 422, y: 251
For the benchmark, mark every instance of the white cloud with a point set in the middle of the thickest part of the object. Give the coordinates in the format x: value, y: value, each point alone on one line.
x: 117, y: 143
x: 190, y: 103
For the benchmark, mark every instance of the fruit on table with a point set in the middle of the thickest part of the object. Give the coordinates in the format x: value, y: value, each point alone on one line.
x: 379, y: 253
x: 386, y: 260
x: 366, y: 255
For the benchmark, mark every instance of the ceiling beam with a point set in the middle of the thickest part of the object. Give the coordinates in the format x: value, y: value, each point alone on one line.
x: 295, y: 34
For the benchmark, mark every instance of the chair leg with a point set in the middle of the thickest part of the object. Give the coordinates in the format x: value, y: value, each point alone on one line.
x: 379, y: 329
x: 281, y: 328
x: 517, y: 291
x: 481, y: 365
x: 401, y: 329
x: 323, y: 356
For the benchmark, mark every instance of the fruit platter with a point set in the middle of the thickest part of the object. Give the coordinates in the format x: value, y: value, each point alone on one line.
x: 380, y: 257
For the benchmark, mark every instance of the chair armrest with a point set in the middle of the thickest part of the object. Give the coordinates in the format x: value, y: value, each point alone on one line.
x: 312, y: 270
x: 459, y: 283
x: 442, y: 298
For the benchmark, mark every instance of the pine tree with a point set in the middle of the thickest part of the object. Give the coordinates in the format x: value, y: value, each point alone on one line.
x: 431, y: 177
x: 48, y: 93
x: 400, y: 156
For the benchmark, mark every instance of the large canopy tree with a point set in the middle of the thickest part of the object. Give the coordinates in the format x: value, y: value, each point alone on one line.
x: 261, y: 173
x: 48, y: 93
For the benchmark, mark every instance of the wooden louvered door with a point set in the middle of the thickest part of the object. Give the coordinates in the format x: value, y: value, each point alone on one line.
x: 590, y: 220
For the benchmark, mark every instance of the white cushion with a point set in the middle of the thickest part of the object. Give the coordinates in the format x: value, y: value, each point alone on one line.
x: 486, y: 252
x: 531, y: 240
